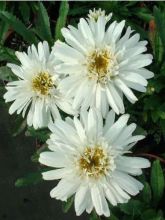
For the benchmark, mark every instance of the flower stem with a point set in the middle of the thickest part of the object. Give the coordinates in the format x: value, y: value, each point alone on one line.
x: 152, y: 156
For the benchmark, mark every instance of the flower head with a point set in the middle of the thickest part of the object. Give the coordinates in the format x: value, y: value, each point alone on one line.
x: 95, y: 14
x: 90, y: 160
x: 102, y: 63
x: 36, y: 90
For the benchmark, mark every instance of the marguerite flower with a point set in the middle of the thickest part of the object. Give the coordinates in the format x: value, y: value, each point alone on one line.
x: 102, y: 64
x: 36, y: 89
x: 91, y: 162
x: 95, y: 14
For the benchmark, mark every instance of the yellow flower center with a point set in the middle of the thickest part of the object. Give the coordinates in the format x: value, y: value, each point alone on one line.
x: 99, y: 63
x: 42, y: 83
x: 94, y: 162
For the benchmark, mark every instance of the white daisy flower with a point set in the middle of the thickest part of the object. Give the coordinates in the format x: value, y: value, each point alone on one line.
x: 103, y: 63
x: 36, y: 90
x: 95, y: 14
x: 90, y: 161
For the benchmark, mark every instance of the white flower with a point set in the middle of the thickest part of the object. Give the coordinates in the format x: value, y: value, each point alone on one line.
x: 90, y: 161
x: 36, y: 90
x: 102, y: 64
x: 95, y: 14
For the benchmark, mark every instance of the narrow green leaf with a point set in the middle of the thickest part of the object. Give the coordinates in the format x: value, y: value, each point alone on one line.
x: 112, y: 217
x: 144, y: 14
x: 157, y: 181
x: 61, y: 21
x: 2, y: 5
x: 7, y: 54
x: 161, y: 114
x: 151, y: 214
x: 3, y: 30
x: 24, y: 10
x: 94, y: 216
x: 160, y: 23
x: 18, y: 26
x: 67, y: 205
x: 146, y: 194
x: 29, y: 179
x: 43, y: 23
x: 133, y: 207
x: 41, y: 134
x: 6, y: 74
x: 21, y: 128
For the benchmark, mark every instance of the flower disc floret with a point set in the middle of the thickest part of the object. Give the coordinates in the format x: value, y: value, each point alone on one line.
x: 42, y: 83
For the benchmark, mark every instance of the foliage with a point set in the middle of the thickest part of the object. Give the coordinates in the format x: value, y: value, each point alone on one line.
x: 26, y: 23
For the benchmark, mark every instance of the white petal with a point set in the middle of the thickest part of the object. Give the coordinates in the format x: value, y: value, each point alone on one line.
x: 52, y: 159
x: 135, y: 162
x: 145, y: 73
x: 85, y: 30
x: 64, y: 189
x: 67, y: 53
x: 125, y: 134
x: 113, y: 132
x: 80, y: 129
x: 99, y: 201
x: 109, y: 121
x: 111, y: 101
x: 92, y: 124
x: 55, y: 174
x: 118, y: 100
x: 128, y: 93
x: 81, y: 199
x: 127, y: 183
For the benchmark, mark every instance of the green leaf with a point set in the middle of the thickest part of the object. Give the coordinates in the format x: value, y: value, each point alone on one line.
x: 112, y: 217
x: 140, y: 131
x: 4, y: 27
x: 7, y: 54
x: 133, y: 207
x: 18, y: 26
x: 154, y: 116
x: 6, y: 74
x: 61, y: 21
x: 144, y: 14
x: 41, y: 134
x: 20, y: 129
x: 24, y: 10
x: 43, y: 24
x: 151, y: 214
x: 160, y: 23
x: 67, y: 205
x: 161, y: 114
x: 2, y: 5
x: 157, y: 181
x: 29, y: 179
x: 94, y: 216
x: 146, y: 194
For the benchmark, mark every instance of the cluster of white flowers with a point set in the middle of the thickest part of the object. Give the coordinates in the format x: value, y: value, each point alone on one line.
x: 86, y: 77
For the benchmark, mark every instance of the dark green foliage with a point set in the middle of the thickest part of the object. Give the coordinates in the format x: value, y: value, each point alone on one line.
x: 7, y: 54
x: 6, y: 74
x: 67, y: 205
x: 29, y: 179
x: 157, y: 182
x: 18, y: 26
x: 61, y: 21
x: 160, y: 22
x: 41, y: 134
x: 42, y: 27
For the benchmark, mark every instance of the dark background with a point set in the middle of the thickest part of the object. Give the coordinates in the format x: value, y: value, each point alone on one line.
x: 30, y: 202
